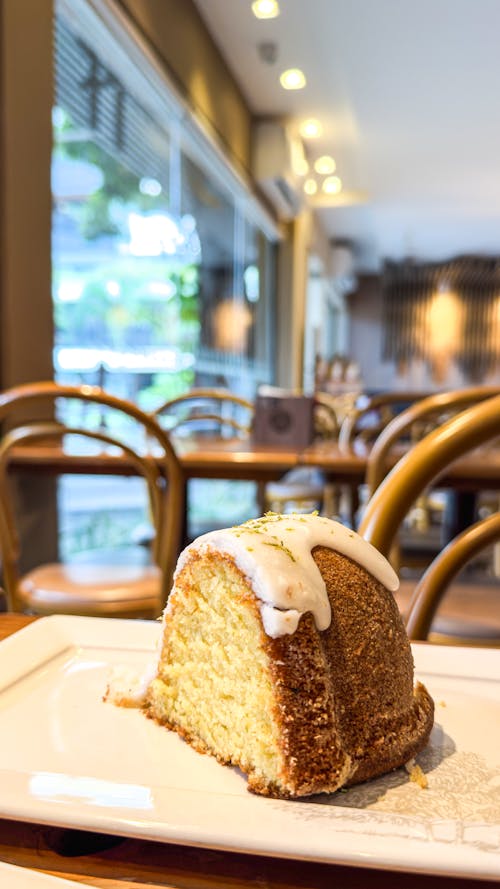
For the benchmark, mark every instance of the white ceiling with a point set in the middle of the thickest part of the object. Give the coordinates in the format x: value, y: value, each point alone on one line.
x: 407, y: 91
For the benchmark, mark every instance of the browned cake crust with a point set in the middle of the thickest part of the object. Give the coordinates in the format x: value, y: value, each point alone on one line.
x: 349, y: 686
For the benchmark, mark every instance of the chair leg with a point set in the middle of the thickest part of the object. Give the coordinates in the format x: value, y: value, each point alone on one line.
x: 332, y: 496
x: 262, y: 504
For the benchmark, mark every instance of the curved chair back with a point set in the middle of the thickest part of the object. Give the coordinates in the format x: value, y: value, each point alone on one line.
x: 326, y: 420
x: 415, y: 419
x: 422, y: 465
x: 163, y: 474
x: 215, y: 410
x: 389, y: 504
x: 434, y: 583
x: 383, y: 407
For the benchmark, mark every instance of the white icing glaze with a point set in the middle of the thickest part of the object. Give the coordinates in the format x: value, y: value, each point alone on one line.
x: 275, y: 553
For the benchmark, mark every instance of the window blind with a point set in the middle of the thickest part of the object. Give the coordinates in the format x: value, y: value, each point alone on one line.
x: 103, y: 110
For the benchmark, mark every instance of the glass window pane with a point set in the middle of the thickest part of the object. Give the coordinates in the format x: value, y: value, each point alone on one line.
x: 122, y: 264
x: 235, y: 288
x: 258, y: 289
x: 159, y: 281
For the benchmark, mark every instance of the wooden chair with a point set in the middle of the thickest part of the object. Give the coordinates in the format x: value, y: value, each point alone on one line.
x: 416, y: 421
x: 361, y: 427
x: 407, y: 428
x: 433, y: 585
x: 206, y: 413
x: 365, y: 423
x: 414, y: 472
x: 111, y: 589
x: 326, y: 416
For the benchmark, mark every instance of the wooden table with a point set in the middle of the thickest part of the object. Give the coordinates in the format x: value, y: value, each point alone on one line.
x: 339, y: 465
x: 236, y: 459
x: 199, y: 458
x: 105, y: 861
x: 120, y: 863
x: 477, y: 471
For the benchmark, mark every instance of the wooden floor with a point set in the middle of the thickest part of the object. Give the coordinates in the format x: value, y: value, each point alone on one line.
x: 469, y: 612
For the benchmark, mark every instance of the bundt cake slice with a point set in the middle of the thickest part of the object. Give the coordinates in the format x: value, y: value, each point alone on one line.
x: 284, y: 653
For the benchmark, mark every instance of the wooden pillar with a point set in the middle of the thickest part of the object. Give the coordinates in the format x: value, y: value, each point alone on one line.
x: 26, y: 325
x: 293, y: 259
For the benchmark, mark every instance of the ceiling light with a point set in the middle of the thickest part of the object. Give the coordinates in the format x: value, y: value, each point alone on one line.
x: 311, y: 129
x: 310, y: 186
x: 325, y: 165
x: 293, y: 79
x: 301, y: 167
x: 265, y: 9
x: 332, y: 185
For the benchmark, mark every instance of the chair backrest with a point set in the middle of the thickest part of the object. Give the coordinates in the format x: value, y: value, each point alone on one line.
x: 326, y: 417
x: 367, y: 421
x: 416, y: 421
x: 433, y: 584
x: 209, y: 411
x: 162, y: 473
x: 422, y: 465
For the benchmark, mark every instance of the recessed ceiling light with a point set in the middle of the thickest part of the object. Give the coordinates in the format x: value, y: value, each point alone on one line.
x: 325, y: 165
x: 332, y: 185
x: 310, y: 186
x: 265, y: 9
x: 293, y: 79
x: 311, y: 129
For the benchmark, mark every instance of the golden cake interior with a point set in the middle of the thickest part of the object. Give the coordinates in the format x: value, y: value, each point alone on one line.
x: 214, y: 662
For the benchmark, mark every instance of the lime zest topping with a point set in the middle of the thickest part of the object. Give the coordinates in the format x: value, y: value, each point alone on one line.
x: 263, y: 525
x: 281, y: 545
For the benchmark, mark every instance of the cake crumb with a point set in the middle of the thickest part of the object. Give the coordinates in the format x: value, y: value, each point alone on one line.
x: 416, y: 774
x: 127, y: 687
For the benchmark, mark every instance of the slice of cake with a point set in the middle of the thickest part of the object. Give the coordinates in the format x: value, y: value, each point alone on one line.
x: 284, y: 653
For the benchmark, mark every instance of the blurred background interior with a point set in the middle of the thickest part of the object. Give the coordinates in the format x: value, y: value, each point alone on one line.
x: 180, y: 209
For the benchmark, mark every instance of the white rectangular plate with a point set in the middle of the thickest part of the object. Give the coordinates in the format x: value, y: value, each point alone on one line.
x: 69, y: 759
x: 24, y: 878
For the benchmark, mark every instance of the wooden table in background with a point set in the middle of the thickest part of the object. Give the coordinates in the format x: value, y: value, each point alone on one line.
x: 199, y: 458
x: 234, y: 459
x: 477, y: 471
x: 237, y: 459
x: 112, y: 862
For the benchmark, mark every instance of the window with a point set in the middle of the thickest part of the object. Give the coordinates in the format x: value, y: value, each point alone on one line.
x: 162, y: 260
x: 160, y: 276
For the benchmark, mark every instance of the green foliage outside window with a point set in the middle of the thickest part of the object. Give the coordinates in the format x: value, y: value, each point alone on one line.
x: 105, y: 297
